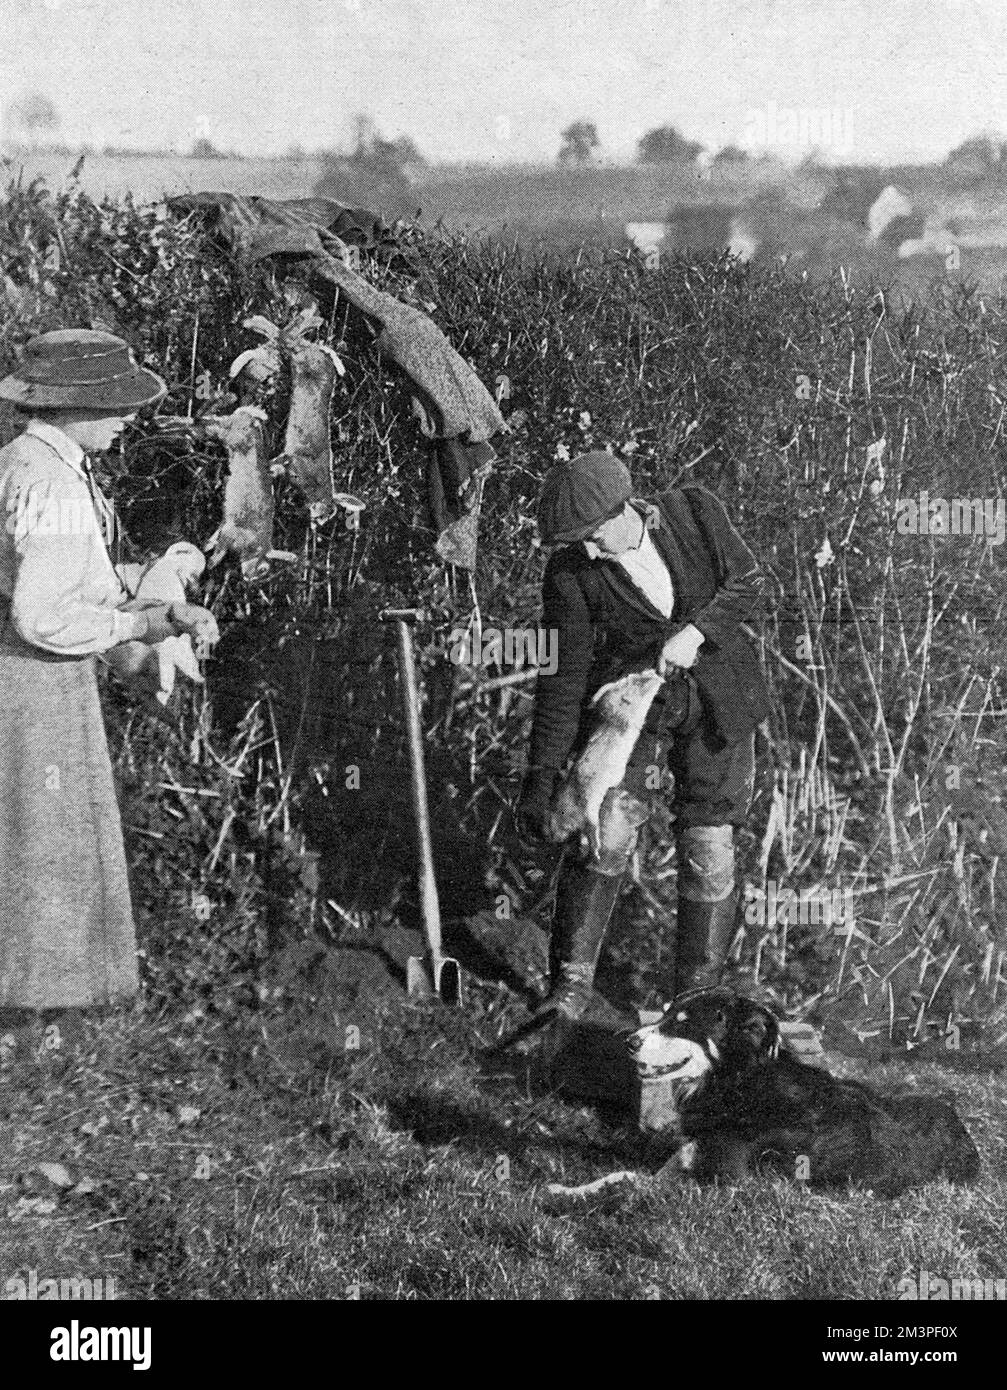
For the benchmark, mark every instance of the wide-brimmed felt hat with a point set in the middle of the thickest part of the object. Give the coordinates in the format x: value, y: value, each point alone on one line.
x: 579, y: 494
x: 81, y: 369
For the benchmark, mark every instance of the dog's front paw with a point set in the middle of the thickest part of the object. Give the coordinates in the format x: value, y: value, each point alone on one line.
x: 687, y: 1156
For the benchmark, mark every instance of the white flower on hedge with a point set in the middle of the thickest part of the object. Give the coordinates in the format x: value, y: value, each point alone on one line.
x: 825, y: 555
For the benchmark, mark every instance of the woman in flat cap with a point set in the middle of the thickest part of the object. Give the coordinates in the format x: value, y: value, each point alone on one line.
x: 633, y: 584
x: 67, y: 938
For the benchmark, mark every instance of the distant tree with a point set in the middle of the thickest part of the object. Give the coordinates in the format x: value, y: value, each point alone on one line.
x: 365, y: 132
x: 731, y: 154
x: 580, y: 140
x: 978, y: 152
x: 399, y: 154
x: 375, y: 155
x: 378, y: 173
x: 32, y: 117
x: 205, y: 149
x: 664, y: 145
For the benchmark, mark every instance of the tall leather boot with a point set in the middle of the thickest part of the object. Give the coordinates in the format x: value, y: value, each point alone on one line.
x: 702, y: 940
x: 585, y: 900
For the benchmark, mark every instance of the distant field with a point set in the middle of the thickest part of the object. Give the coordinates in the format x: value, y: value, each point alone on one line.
x: 618, y: 195
x: 150, y: 177
x: 815, y: 218
x: 473, y: 196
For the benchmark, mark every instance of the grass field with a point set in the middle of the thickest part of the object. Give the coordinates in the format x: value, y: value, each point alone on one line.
x: 263, y: 1160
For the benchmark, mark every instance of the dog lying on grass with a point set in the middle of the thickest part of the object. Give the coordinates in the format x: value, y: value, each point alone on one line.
x: 753, y: 1108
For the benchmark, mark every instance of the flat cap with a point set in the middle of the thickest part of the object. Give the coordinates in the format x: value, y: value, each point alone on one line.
x: 578, y: 494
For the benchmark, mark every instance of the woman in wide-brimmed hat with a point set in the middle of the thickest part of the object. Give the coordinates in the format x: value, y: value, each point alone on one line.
x: 67, y: 939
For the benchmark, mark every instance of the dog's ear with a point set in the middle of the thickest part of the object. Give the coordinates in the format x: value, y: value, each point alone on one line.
x: 755, y: 1028
x: 769, y: 1044
x: 718, y: 1029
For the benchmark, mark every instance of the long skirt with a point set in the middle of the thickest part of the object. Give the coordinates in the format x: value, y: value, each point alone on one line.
x: 66, y: 925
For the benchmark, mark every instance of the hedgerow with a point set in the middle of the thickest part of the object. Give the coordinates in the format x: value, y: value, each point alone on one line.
x: 278, y: 805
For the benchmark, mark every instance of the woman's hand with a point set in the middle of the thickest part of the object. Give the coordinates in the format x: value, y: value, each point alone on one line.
x: 155, y: 621
x: 163, y: 620
x: 680, y: 651
x: 198, y: 622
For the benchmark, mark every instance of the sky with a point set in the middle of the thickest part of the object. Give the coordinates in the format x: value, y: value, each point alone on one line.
x: 498, y: 80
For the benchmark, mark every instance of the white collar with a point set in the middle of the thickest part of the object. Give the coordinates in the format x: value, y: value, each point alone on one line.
x: 68, y: 449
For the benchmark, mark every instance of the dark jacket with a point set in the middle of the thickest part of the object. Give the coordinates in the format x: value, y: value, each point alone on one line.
x: 606, y: 627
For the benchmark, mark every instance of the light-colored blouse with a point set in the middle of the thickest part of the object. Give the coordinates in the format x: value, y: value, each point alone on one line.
x: 55, y: 570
